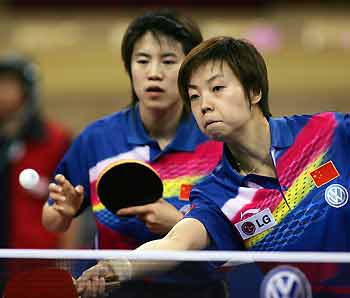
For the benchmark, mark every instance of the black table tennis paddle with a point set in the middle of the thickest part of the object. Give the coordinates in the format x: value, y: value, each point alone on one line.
x: 128, y: 183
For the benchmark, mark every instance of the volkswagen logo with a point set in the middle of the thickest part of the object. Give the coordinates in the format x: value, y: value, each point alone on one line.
x: 336, y: 195
x: 285, y: 282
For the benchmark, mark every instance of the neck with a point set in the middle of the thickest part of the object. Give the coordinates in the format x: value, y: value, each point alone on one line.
x: 161, y: 124
x: 251, y: 149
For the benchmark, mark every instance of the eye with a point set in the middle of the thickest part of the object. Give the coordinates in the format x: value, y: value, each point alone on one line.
x: 193, y: 97
x: 142, y: 61
x: 169, y: 61
x: 218, y: 88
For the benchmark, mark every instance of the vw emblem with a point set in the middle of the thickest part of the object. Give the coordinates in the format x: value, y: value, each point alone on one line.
x: 285, y: 282
x: 336, y: 195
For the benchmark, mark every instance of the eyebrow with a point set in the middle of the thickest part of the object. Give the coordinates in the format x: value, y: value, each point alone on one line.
x: 207, y: 81
x: 165, y: 54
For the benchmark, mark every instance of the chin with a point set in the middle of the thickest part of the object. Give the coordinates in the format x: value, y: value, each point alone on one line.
x: 215, y: 136
x: 155, y: 104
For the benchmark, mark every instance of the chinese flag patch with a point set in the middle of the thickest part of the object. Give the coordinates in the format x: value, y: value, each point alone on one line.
x: 325, y: 173
x: 185, y: 191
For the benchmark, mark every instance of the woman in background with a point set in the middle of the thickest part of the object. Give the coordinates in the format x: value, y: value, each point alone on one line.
x: 157, y: 129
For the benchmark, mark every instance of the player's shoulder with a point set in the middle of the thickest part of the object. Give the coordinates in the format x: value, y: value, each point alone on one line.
x: 287, y: 128
x: 213, y: 180
x: 299, y: 121
x: 291, y: 119
x: 111, y: 122
x: 114, y: 119
x: 321, y: 116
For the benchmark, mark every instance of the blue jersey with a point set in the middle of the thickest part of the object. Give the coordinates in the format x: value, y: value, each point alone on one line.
x: 305, y: 208
x: 183, y: 163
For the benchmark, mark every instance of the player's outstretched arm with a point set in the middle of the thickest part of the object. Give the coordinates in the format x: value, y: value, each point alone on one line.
x: 187, y: 234
x: 63, y: 203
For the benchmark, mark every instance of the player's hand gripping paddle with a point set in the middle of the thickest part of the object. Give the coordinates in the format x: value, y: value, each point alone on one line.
x: 45, y: 283
x: 128, y: 183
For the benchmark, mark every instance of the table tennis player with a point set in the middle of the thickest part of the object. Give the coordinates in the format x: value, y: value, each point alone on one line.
x: 283, y: 183
x: 157, y: 129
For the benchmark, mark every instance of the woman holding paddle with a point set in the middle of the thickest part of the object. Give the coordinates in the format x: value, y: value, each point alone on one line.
x: 282, y: 184
x: 156, y: 128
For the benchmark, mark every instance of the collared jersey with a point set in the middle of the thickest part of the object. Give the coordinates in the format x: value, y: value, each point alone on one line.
x: 182, y: 164
x: 305, y: 209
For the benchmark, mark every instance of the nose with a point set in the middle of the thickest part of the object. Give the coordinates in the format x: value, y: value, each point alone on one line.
x: 206, y: 104
x: 155, y: 71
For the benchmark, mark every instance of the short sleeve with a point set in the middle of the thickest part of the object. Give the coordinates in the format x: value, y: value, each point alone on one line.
x: 218, y: 226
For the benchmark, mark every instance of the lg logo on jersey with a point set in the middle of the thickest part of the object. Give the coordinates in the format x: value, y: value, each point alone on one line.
x: 255, y: 224
x: 248, y: 228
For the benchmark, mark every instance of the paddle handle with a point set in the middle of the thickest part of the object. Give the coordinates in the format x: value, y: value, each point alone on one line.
x: 111, y: 284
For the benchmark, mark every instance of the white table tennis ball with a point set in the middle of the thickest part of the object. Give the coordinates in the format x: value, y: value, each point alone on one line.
x: 29, y: 178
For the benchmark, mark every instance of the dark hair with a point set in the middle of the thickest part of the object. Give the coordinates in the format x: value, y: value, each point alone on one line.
x: 161, y: 22
x: 22, y: 69
x: 242, y: 57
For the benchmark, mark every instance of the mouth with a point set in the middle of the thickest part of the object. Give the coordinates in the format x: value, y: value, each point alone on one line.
x: 210, y: 122
x: 154, y: 89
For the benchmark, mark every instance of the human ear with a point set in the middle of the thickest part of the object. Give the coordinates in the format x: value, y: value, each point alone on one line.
x: 255, y: 96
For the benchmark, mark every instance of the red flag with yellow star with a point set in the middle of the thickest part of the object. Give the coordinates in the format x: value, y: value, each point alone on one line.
x: 185, y: 191
x: 324, y: 174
